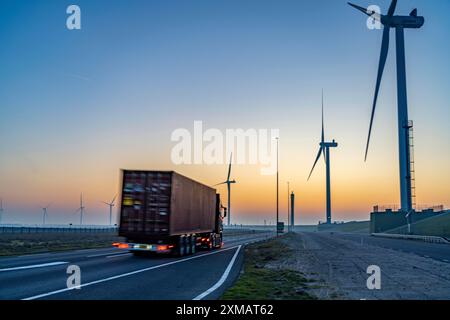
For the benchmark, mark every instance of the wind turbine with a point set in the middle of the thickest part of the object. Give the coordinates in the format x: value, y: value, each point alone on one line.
x: 111, y: 205
x: 45, y: 215
x: 81, y: 209
x: 228, y: 182
x: 399, y: 23
x: 325, y: 150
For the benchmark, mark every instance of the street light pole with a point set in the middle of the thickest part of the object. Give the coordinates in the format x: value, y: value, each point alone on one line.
x: 288, y: 222
x: 277, y: 189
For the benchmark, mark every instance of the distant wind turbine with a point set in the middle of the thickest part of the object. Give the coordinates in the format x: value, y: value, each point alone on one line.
x: 81, y: 209
x: 399, y: 23
x: 325, y: 150
x: 111, y: 205
x: 228, y: 182
x: 45, y: 213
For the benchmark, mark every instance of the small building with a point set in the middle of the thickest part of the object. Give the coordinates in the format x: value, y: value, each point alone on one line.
x: 383, y: 219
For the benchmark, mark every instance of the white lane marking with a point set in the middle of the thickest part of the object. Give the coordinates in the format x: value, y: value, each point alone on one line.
x: 125, y: 274
x: 119, y: 255
x: 222, y: 279
x: 102, y: 254
x: 31, y: 255
x: 35, y: 266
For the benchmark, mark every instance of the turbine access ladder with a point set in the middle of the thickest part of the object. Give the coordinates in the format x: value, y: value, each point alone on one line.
x: 411, y: 164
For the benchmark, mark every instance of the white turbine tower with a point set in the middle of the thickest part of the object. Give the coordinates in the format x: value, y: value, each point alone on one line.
x: 228, y: 182
x: 111, y: 205
x: 81, y: 209
x: 45, y: 213
x: 399, y: 23
x: 325, y: 150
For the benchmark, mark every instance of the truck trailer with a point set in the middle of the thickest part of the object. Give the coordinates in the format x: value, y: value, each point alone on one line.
x: 166, y: 212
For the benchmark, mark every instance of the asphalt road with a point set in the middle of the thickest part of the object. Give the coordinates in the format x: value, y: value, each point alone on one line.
x: 435, y: 251
x: 116, y: 274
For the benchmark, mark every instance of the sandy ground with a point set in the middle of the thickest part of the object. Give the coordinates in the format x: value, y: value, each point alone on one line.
x: 338, y: 268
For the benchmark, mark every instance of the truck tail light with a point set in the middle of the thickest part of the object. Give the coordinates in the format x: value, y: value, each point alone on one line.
x: 123, y: 246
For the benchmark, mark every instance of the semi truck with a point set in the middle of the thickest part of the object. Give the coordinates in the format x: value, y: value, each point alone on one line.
x: 166, y: 212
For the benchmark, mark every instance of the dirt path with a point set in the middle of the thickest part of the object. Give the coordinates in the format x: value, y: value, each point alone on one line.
x: 339, y: 266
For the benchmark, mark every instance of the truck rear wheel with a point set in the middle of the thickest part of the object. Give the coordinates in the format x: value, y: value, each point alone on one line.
x: 211, y: 241
x: 193, y: 244
x: 188, y: 245
x: 181, y: 246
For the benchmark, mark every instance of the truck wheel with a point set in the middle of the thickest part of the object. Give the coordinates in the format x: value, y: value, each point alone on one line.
x: 188, y: 245
x: 221, y: 241
x: 213, y: 241
x: 181, y: 246
x: 193, y: 244
x: 210, y: 242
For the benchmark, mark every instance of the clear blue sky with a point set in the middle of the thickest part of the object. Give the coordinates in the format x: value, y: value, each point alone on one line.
x: 85, y: 103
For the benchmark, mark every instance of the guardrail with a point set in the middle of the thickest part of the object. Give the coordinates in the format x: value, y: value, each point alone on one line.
x: 418, y: 208
x: 432, y: 239
x: 56, y: 229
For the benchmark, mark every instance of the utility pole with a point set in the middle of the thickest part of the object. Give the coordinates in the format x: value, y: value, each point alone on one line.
x: 277, y: 138
x: 292, y: 211
x: 288, y: 215
x: 81, y: 209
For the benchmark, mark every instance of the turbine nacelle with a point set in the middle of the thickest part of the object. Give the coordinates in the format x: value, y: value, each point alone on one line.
x: 389, y: 20
x: 332, y: 144
x: 409, y: 22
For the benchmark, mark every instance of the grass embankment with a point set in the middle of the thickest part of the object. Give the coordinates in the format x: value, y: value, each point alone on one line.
x: 438, y: 226
x: 352, y: 226
x: 25, y: 243
x: 241, y: 232
x: 266, y: 276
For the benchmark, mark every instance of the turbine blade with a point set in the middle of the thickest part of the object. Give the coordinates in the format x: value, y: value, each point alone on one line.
x: 112, y: 201
x: 218, y: 184
x: 229, y: 167
x: 392, y: 8
x: 383, y: 57
x: 315, y: 162
x: 363, y: 10
x: 323, y: 132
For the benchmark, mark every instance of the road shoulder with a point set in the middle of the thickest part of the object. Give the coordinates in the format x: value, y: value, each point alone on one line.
x: 265, y: 275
